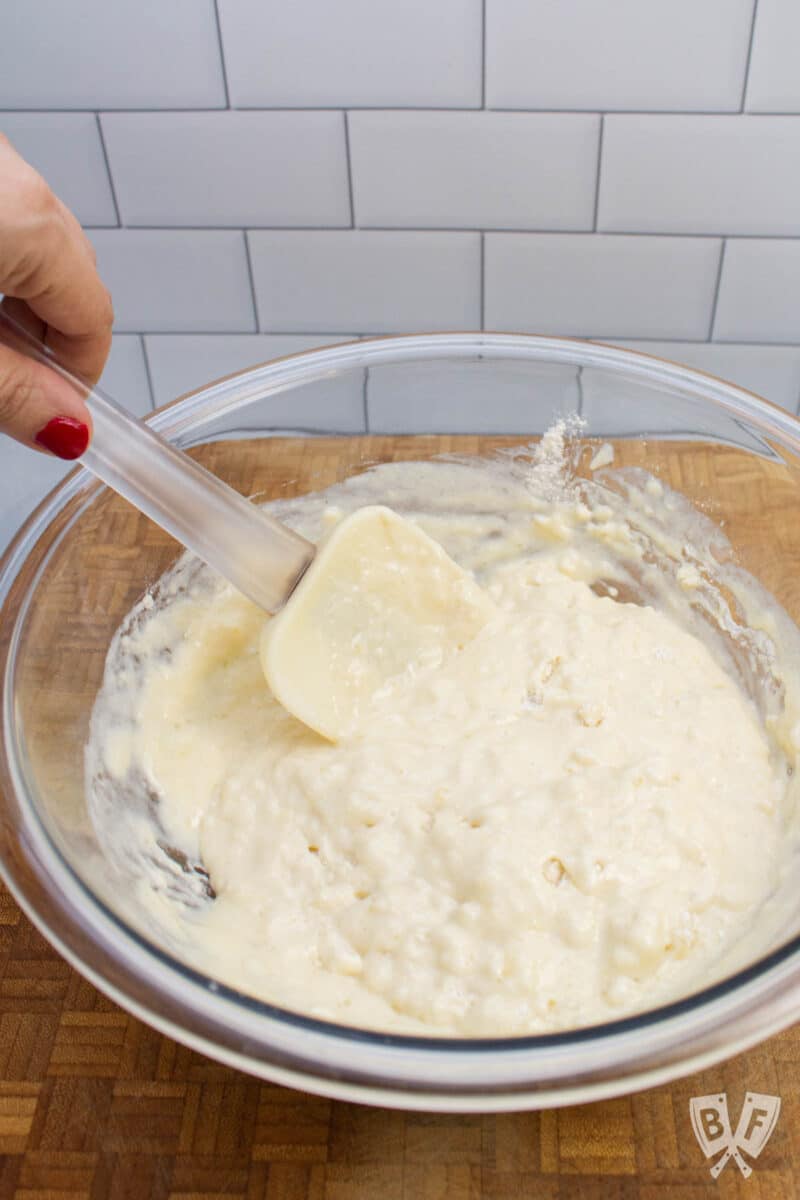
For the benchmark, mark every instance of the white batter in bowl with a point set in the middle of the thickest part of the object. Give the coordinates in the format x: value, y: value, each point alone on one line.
x: 551, y: 830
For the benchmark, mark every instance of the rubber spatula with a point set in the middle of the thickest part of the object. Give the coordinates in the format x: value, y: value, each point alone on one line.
x: 377, y: 599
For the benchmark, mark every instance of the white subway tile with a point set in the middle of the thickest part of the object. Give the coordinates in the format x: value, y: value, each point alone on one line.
x: 770, y: 371
x: 371, y: 53
x: 182, y: 364
x: 468, y: 170
x: 580, y: 54
x: 759, y: 292
x: 368, y: 282
x: 773, y: 81
x: 707, y: 174
x: 176, y: 280
x: 231, y: 168
x: 125, y: 374
x: 96, y: 54
x: 485, y: 396
x: 65, y: 148
x: 600, y: 286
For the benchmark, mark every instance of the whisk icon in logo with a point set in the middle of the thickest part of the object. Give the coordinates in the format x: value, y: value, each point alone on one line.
x: 712, y: 1128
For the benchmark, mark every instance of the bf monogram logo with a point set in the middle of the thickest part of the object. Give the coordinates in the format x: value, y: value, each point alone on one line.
x: 712, y: 1128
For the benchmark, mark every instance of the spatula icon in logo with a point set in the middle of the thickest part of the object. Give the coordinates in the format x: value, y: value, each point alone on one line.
x: 712, y: 1128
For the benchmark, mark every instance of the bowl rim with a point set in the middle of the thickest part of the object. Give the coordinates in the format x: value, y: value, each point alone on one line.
x: 47, y: 899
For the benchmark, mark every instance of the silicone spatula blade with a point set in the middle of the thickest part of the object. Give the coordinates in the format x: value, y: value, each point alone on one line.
x: 380, y: 600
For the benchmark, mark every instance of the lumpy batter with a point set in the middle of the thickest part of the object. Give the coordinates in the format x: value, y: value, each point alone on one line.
x: 554, y: 827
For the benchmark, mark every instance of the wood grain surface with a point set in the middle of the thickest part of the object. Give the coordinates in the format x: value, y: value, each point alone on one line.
x: 95, y: 1104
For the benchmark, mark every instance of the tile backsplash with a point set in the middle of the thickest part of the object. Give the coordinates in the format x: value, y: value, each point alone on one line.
x: 639, y: 55
x: 261, y: 176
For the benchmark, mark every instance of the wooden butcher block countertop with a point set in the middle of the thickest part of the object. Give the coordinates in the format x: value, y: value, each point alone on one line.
x: 95, y: 1104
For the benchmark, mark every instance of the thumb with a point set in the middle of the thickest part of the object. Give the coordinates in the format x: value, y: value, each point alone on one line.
x: 40, y: 409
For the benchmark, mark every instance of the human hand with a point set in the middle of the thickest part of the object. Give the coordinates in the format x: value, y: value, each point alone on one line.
x: 51, y: 287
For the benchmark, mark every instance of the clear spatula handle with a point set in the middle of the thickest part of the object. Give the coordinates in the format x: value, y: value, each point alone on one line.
x: 259, y: 556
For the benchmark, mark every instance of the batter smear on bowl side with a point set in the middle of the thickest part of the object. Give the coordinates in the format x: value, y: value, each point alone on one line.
x: 575, y: 817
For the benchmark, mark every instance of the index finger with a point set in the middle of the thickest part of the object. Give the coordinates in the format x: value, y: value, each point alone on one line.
x: 46, y: 264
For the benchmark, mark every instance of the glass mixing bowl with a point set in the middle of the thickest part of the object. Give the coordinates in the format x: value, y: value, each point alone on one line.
x: 84, y: 557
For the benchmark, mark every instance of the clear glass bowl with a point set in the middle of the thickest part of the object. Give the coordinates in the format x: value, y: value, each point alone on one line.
x: 85, y: 556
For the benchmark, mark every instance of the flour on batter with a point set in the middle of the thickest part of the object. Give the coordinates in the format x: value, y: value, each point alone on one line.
x: 555, y: 827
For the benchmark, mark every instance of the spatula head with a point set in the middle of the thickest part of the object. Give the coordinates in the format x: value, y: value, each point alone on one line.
x: 380, y: 601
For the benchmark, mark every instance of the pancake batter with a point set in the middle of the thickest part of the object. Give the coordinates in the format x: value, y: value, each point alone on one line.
x: 552, y: 828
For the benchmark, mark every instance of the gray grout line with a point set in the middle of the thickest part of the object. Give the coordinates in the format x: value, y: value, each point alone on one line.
x: 106, y: 160
x: 251, y: 277
x: 349, y: 169
x: 239, y: 227
x: 148, y: 371
x: 796, y: 408
x: 483, y: 280
x: 652, y: 233
x: 454, y: 230
x: 605, y: 339
x: 222, y: 55
x: 378, y: 108
x: 749, y: 55
x: 758, y: 344
x: 599, y: 167
x: 365, y: 399
x: 483, y: 54
x: 763, y: 342
x: 689, y: 341
x: 279, y: 333
x: 105, y: 108
x: 716, y: 291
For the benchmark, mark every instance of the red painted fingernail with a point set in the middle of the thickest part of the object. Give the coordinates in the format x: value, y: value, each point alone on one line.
x: 64, y: 437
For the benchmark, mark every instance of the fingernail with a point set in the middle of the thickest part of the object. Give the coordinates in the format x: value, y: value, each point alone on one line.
x: 64, y: 437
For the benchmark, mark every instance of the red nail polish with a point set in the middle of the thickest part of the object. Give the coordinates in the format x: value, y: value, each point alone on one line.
x: 64, y: 437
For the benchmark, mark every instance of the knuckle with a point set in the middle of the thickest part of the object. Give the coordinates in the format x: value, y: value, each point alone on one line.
x: 40, y: 244
x: 106, y: 312
x: 18, y: 389
x: 38, y: 196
